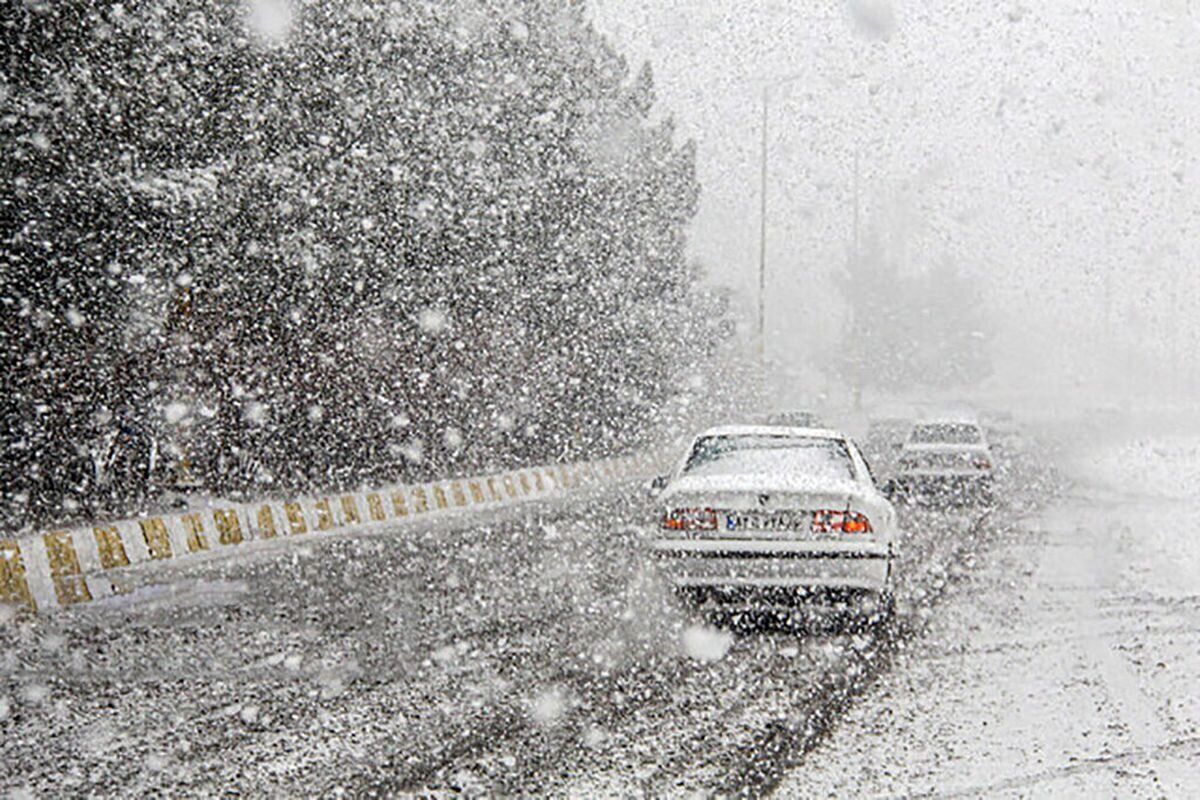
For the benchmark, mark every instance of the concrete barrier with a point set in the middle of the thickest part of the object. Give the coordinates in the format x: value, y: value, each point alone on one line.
x: 61, y: 568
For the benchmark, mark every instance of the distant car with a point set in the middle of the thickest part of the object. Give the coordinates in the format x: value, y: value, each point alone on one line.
x: 795, y: 419
x: 765, y: 517
x: 945, y: 460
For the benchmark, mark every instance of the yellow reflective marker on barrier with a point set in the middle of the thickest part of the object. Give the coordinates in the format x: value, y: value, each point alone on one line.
x: 399, y: 507
x: 295, y: 515
x: 476, y: 492
x: 154, y: 531
x: 12, y: 576
x: 439, y: 498
x: 110, y: 548
x: 69, y: 585
x: 325, y: 520
x: 229, y: 530
x: 375, y: 508
x: 457, y: 494
x: 193, y: 525
x: 350, y: 510
x: 266, y: 523
x: 420, y: 503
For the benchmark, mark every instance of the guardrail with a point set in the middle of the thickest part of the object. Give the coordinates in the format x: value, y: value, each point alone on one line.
x: 62, y: 568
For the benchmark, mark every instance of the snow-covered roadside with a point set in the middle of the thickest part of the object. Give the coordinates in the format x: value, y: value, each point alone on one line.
x: 1065, y: 666
x: 310, y: 668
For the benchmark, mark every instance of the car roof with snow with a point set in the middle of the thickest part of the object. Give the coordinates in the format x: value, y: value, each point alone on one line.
x: 771, y: 430
x: 952, y: 417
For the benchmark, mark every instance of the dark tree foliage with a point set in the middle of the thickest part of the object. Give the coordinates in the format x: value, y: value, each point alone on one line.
x: 402, y: 238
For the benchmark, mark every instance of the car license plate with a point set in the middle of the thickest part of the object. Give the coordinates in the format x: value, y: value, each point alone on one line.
x: 768, y: 521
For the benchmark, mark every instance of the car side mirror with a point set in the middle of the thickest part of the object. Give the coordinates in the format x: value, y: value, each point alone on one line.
x: 656, y: 485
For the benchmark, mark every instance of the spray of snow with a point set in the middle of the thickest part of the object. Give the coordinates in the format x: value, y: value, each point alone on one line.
x: 414, y: 451
x: 175, y: 412
x: 445, y: 655
x: 34, y: 693
x: 875, y: 19
x: 548, y: 707
x: 594, y: 736
x: 706, y: 644
x: 270, y: 20
x: 254, y: 412
x: 433, y: 320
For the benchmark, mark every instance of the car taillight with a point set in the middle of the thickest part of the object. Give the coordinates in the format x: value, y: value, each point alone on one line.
x: 690, y: 519
x: 840, y: 522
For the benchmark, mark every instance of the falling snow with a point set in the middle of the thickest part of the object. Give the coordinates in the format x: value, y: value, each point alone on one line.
x: 599, y: 399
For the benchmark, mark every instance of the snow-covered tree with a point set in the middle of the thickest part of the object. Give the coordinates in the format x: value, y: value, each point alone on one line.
x: 355, y: 241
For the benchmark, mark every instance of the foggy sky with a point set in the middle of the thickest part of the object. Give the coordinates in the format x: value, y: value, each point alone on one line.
x: 1047, y: 146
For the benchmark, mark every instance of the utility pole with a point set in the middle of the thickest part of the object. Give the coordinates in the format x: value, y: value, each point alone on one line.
x: 854, y: 250
x: 762, y: 238
x: 859, y: 367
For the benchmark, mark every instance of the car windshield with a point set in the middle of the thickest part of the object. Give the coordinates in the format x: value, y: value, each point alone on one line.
x: 753, y: 454
x: 946, y: 433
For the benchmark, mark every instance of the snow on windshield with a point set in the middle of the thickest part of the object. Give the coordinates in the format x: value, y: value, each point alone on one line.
x: 946, y: 433
x: 770, y: 455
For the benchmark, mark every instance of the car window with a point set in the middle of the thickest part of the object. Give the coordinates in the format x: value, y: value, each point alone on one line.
x: 792, y: 455
x: 946, y: 433
x: 870, y: 470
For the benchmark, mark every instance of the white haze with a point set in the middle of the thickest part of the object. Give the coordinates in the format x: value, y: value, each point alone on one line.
x: 1048, y: 148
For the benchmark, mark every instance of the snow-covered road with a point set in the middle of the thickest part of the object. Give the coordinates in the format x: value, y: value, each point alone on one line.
x: 528, y: 652
x: 1066, y: 666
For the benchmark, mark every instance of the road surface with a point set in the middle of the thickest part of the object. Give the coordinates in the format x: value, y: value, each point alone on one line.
x: 528, y: 652
x: 1066, y: 665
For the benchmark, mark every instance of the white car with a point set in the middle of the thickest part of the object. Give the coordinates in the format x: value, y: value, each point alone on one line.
x: 945, y: 459
x: 760, y: 517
